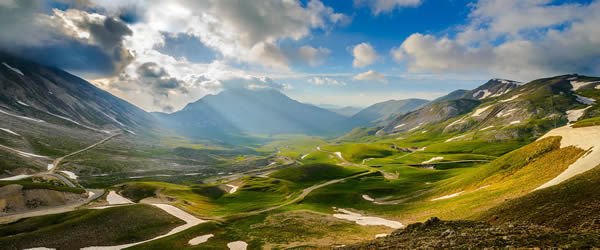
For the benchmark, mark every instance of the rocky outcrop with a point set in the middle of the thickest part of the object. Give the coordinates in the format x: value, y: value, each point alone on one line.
x: 15, y: 199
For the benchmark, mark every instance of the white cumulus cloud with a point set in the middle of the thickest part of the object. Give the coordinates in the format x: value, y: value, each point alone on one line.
x: 370, y: 75
x: 326, y: 81
x: 364, y: 55
x: 312, y: 56
x: 537, y: 39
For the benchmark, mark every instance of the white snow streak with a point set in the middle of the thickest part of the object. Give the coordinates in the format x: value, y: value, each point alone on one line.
x: 13, y: 69
x: 9, y: 131
x: 433, y: 159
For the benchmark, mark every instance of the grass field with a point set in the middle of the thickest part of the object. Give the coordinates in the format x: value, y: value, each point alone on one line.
x: 306, y: 175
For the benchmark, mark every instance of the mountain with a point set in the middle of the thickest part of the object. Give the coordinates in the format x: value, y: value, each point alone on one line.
x: 434, y: 113
x: 378, y: 113
x: 457, y: 94
x: 524, y: 111
x: 257, y: 111
x: 492, y: 88
x: 347, y: 111
x: 47, y: 113
x: 47, y: 93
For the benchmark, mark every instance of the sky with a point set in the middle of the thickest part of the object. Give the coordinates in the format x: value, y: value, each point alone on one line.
x: 161, y: 55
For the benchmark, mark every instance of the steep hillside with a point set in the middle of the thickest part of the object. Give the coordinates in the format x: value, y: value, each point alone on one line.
x: 457, y: 94
x: 567, y: 206
x: 492, y: 88
x: 261, y: 111
x: 435, y: 113
x: 526, y: 111
x: 380, y: 112
x: 46, y: 93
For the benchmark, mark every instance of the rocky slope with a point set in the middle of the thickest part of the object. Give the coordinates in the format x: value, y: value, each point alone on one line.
x: 45, y: 93
x: 492, y: 88
x: 527, y: 110
x: 434, y: 113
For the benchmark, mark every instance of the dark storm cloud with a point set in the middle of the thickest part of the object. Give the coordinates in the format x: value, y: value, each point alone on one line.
x: 54, y: 37
x: 157, y: 77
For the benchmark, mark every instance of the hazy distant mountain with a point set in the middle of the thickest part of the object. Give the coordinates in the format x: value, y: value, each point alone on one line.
x: 260, y: 111
x: 342, y: 110
x: 46, y: 93
x: 380, y: 112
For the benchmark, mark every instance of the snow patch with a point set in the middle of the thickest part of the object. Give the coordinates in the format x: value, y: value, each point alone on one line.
x: 399, y: 126
x: 237, y: 245
x: 486, y: 128
x: 455, y: 138
x: 380, y: 235
x: 479, y: 111
x: 115, y: 199
x: 304, y: 156
x: 433, y: 159
x: 22, y: 117
x: 24, y: 154
x: 506, y: 113
x: 13, y: 69
x: 50, y: 167
x: 586, y: 138
x: 188, y: 218
x: 577, y: 85
x: 9, y: 131
x: 366, y: 220
x: 448, y: 196
x: 200, y: 239
x: 515, y: 122
x: 585, y: 100
x: 69, y: 174
x: 575, y: 114
x: 22, y: 103
x: 485, y: 92
x: 339, y: 155
x: 368, y: 198
x: 16, y: 177
x: 459, y: 121
x: 233, y: 188
x: 85, y: 126
x: 510, y: 99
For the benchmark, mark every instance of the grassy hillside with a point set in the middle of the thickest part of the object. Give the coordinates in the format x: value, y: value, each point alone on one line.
x: 572, y: 205
x: 77, y: 229
x: 314, y: 173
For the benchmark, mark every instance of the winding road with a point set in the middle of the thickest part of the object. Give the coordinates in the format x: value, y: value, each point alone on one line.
x: 67, y: 207
x: 57, y: 161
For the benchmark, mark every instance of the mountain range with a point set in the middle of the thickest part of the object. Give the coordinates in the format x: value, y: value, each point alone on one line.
x: 295, y: 173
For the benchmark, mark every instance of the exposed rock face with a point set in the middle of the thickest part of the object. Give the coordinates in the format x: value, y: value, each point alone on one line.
x: 13, y: 198
x: 431, y: 114
x: 493, y: 88
x: 436, y: 234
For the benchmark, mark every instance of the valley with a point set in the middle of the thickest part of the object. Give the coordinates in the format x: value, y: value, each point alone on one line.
x: 475, y: 160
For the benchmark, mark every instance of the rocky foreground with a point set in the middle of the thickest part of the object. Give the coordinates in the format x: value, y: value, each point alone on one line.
x: 437, y: 234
